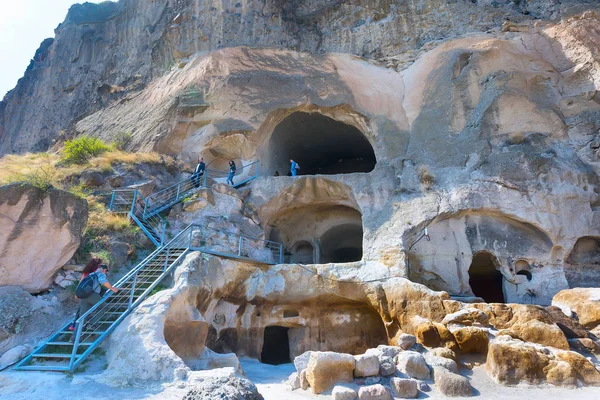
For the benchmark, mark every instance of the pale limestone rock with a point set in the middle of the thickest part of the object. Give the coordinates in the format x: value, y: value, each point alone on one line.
x: 343, y: 393
x: 467, y: 316
x: 412, y: 364
x: 387, y: 367
x: 436, y: 361
x: 585, y: 302
x: 366, y: 365
x: 471, y: 339
x: 14, y: 355
x: 326, y: 368
x: 406, y: 341
x: 404, y: 388
x: 451, y: 384
x: 304, y: 384
x: 301, y: 361
x: 294, y: 381
x: 374, y: 392
x: 40, y: 232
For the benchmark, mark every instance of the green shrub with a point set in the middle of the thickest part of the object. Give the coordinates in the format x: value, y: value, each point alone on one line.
x: 80, y: 150
x: 122, y: 139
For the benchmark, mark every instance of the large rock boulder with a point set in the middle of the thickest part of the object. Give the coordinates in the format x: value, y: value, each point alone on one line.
x: 512, y: 362
x: 41, y: 229
x: 584, y: 302
x: 529, y: 323
x: 326, y: 368
x: 451, y: 384
x: 412, y: 364
x: 224, y: 389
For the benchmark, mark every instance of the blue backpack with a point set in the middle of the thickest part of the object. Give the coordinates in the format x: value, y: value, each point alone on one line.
x: 86, y: 286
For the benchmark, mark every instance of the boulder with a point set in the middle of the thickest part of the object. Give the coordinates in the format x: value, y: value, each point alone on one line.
x: 118, y: 253
x: 91, y: 179
x: 374, y: 392
x: 301, y: 362
x: 443, y: 352
x: 366, y: 365
x: 467, y: 316
x: 304, y: 385
x: 343, y: 393
x: 584, y: 302
x: 585, y: 345
x: 41, y: 229
x: 432, y: 334
x: 227, y: 190
x: 327, y: 368
x: 511, y: 361
x: 116, y: 181
x: 570, y: 327
x: 436, y: 361
x: 404, y: 388
x: 224, y: 389
x: 294, y: 381
x: 529, y: 323
x: 406, y: 341
x: 412, y: 364
x: 471, y: 339
x: 451, y: 384
x: 387, y: 367
x: 14, y: 355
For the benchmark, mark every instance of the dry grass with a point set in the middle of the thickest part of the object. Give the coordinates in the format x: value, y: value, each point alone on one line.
x: 15, y: 168
x: 46, y: 169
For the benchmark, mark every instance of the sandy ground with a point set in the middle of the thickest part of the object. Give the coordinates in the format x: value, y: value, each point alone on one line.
x: 269, y: 379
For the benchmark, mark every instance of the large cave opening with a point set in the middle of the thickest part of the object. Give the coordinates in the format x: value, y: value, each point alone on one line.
x: 342, y: 243
x: 320, y: 145
x: 485, y: 279
x: 319, y: 234
x: 276, y: 346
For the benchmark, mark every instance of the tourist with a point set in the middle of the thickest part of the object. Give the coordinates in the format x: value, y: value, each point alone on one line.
x: 90, y: 267
x: 231, y: 172
x: 99, y: 281
x: 199, y: 172
x: 294, y: 167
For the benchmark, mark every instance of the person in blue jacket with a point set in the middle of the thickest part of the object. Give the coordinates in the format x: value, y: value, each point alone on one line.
x: 232, y: 169
x: 294, y: 167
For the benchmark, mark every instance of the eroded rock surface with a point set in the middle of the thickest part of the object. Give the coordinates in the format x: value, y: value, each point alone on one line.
x: 40, y: 232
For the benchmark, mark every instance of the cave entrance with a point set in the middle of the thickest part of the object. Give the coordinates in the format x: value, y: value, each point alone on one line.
x: 302, y: 253
x: 276, y: 346
x: 341, y: 244
x: 485, y: 279
x: 320, y: 145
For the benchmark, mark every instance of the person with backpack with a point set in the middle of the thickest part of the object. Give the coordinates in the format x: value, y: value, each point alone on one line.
x: 90, y: 267
x: 232, y: 170
x: 199, y: 172
x: 89, y: 290
x: 294, y: 167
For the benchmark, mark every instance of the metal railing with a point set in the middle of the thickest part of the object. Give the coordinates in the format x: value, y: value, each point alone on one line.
x: 98, y: 322
x: 132, y: 202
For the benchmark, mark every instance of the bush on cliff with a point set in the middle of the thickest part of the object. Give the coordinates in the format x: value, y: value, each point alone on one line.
x: 80, y: 150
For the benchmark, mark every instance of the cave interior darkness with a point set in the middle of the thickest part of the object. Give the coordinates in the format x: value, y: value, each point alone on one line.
x: 485, y: 279
x: 320, y: 145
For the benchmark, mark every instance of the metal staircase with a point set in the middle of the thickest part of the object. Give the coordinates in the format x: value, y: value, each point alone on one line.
x: 65, y: 350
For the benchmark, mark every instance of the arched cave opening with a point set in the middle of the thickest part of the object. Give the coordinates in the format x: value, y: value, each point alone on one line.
x: 319, y: 234
x: 342, y: 243
x: 320, y: 145
x: 302, y: 253
x: 485, y: 279
x: 276, y: 346
x: 582, y: 267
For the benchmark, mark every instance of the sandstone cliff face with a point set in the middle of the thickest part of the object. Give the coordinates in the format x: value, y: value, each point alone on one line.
x: 102, y: 52
x: 40, y: 232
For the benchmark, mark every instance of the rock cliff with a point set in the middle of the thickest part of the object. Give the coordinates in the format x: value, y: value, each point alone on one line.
x: 103, y: 52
